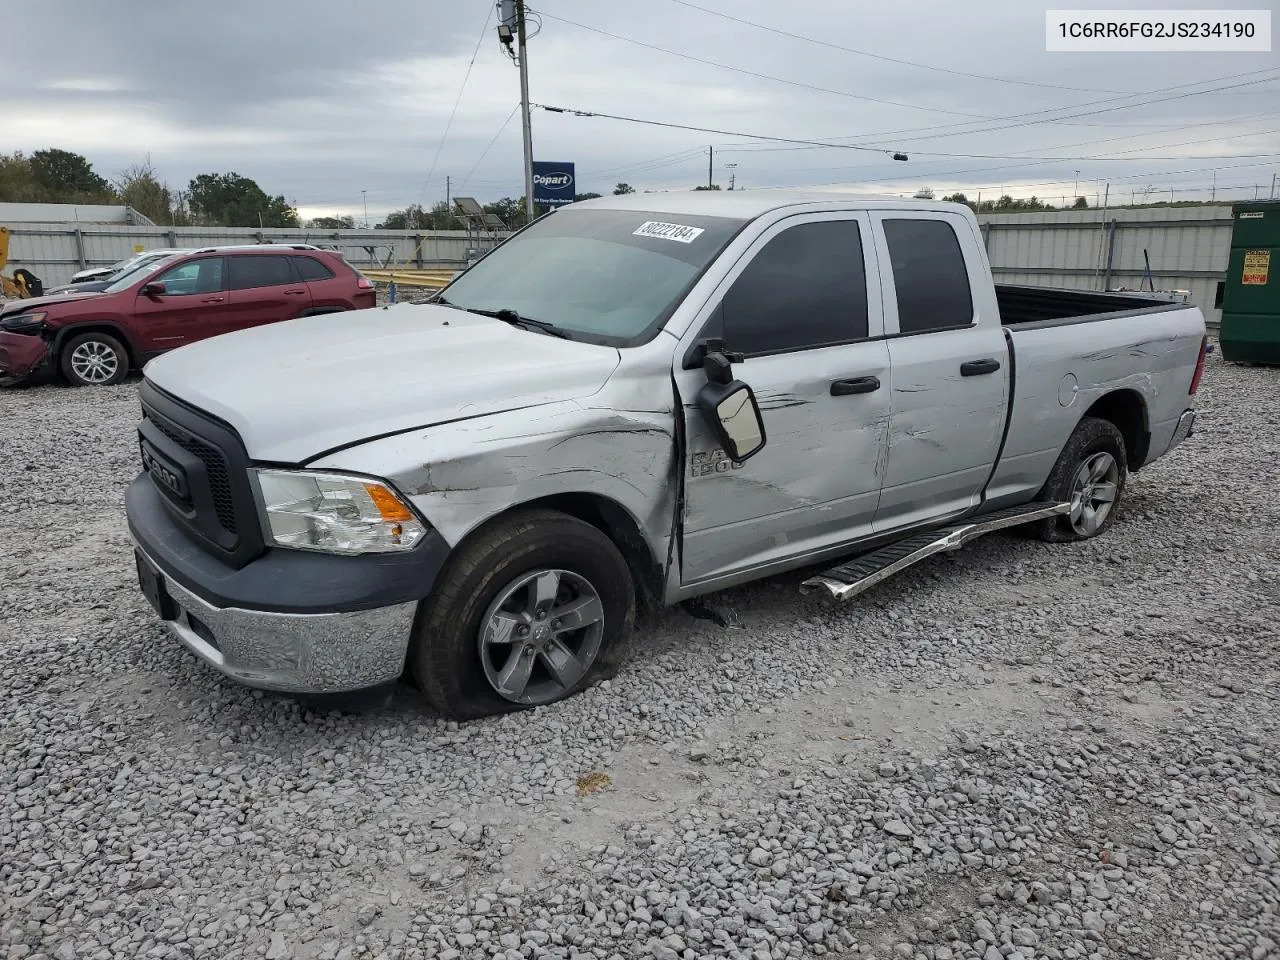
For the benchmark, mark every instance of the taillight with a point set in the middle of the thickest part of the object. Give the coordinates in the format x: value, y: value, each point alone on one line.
x: 364, y: 283
x: 1204, y: 353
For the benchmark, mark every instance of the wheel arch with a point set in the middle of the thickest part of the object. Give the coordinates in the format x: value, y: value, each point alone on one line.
x: 63, y: 334
x: 1127, y: 410
x: 613, y: 520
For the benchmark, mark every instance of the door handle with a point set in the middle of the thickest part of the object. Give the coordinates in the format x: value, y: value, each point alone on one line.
x: 212, y: 300
x: 844, y: 388
x: 976, y: 368
x: 294, y: 293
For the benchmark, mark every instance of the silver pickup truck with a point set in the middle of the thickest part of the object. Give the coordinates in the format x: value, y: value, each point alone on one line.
x: 635, y: 400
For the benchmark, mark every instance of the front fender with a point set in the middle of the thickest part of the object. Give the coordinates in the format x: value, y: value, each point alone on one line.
x: 462, y: 474
x: 21, y: 354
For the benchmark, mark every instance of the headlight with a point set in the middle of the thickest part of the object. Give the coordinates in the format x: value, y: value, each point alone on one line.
x: 23, y: 322
x: 334, y: 513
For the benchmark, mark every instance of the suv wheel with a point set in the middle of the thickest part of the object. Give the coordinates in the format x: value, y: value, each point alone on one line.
x: 94, y: 360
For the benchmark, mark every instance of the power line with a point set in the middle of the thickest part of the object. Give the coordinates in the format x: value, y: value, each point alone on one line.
x: 485, y: 153
x: 760, y: 76
x: 877, y: 56
x: 722, y: 133
x: 943, y: 132
x: 465, y: 77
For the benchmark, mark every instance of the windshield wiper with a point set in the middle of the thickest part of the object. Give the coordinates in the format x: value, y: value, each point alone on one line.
x: 507, y: 315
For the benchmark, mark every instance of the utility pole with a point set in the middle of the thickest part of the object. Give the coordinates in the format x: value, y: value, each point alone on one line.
x: 1214, y: 195
x: 732, y: 176
x: 1075, y: 186
x: 364, y: 197
x: 524, y: 109
x: 710, y: 154
x: 1273, y: 186
x: 511, y: 19
x: 448, y: 193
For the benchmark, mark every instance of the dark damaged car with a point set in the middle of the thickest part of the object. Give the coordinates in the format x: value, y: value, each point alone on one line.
x: 95, y: 338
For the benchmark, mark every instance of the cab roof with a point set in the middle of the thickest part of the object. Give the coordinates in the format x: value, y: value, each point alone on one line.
x: 749, y: 204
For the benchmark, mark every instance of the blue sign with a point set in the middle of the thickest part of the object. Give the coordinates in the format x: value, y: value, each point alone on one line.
x: 553, y: 183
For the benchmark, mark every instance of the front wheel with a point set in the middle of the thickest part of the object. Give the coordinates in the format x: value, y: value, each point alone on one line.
x: 532, y: 610
x: 1090, y: 474
x: 94, y: 360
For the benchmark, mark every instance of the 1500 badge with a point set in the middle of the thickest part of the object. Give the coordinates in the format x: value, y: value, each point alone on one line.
x: 706, y: 464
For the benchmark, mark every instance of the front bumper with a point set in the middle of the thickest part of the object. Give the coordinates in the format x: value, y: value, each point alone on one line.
x: 1186, y: 424
x: 290, y: 620
x: 21, y: 355
x: 291, y: 652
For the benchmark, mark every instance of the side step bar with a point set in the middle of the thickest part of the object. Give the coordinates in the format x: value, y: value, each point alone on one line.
x: 864, y: 572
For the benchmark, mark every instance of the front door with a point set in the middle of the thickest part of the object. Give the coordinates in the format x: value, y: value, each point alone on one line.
x: 803, y: 305
x: 950, y: 368
x: 194, y: 305
x: 265, y: 288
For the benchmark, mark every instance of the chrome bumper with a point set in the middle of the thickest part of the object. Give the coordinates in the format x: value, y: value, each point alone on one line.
x: 291, y: 652
x: 1186, y: 423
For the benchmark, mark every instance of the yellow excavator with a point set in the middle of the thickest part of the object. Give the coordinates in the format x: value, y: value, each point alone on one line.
x: 23, y: 283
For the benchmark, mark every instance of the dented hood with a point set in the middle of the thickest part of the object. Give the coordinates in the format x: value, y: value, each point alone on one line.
x: 296, y: 389
x: 10, y: 307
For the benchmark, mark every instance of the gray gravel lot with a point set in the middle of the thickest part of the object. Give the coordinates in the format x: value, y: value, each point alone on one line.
x: 1017, y: 751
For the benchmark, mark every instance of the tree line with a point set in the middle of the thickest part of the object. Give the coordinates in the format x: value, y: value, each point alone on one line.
x: 210, y: 199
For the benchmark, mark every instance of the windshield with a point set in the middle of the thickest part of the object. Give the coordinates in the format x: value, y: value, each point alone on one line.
x: 609, y: 275
x: 127, y: 280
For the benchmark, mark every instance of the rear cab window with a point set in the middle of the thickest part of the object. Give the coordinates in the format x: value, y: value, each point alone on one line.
x: 929, y: 275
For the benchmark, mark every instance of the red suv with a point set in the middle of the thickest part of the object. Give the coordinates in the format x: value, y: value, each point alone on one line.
x: 95, y: 338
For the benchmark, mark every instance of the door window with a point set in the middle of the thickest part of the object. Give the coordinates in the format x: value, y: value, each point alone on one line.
x: 929, y: 275
x: 268, y: 270
x: 312, y: 269
x: 806, y: 288
x: 192, y: 277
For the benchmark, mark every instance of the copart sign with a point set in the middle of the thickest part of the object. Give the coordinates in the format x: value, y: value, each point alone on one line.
x: 553, y: 183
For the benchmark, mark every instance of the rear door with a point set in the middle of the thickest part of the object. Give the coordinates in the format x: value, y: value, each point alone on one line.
x: 803, y: 305
x: 950, y: 367
x: 331, y: 287
x: 265, y: 288
x: 193, y: 306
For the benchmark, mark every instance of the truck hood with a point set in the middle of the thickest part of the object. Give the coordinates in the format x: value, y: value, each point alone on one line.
x: 297, y: 389
x: 10, y: 307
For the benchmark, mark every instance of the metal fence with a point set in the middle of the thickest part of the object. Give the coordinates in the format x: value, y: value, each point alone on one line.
x: 1187, y: 247
x: 55, y: 251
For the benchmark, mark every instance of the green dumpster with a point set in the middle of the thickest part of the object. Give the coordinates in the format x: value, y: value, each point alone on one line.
x: 1251, y: 298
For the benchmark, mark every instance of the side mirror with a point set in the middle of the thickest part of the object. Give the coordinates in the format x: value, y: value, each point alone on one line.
x: 153, y: 289
x: 731, y: 411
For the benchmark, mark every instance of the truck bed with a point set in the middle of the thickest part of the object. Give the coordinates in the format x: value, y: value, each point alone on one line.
x: 1044, y: 305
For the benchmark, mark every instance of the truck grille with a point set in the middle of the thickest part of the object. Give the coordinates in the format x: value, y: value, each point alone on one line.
x: 200, y: 467
x: 216, y: 465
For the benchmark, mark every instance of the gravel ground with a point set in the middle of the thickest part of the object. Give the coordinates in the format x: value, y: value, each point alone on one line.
x: 1017, y: 751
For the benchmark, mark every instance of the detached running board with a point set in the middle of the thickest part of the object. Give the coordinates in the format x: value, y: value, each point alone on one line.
x: 864, y: 572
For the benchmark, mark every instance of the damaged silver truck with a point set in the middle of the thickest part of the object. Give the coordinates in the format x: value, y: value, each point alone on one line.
x: 635, y: 400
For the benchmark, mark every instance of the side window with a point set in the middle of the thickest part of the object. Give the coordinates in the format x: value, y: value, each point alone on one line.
x: 267, y: 270
x: 312, y: 269
x: 929, y: 274
x: 806, y: 288
x: 192, y: 277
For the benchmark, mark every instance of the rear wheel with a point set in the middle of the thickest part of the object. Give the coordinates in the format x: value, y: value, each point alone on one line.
x: 94, y: 360
x: 1090, y: 474
x: 530, y: 611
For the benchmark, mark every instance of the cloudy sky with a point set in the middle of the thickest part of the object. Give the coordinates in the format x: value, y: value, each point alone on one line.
x: 320, y: 100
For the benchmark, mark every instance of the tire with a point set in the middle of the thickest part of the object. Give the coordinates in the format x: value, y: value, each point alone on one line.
x: 459, y: 673
x: 94, y: 360
x: 1098, y: 447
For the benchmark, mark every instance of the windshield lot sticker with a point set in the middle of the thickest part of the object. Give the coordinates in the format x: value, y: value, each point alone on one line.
x: 1257, y: 267
x: 668, y: 231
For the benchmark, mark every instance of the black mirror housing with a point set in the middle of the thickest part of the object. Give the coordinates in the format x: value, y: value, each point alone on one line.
x: 731, y: 411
